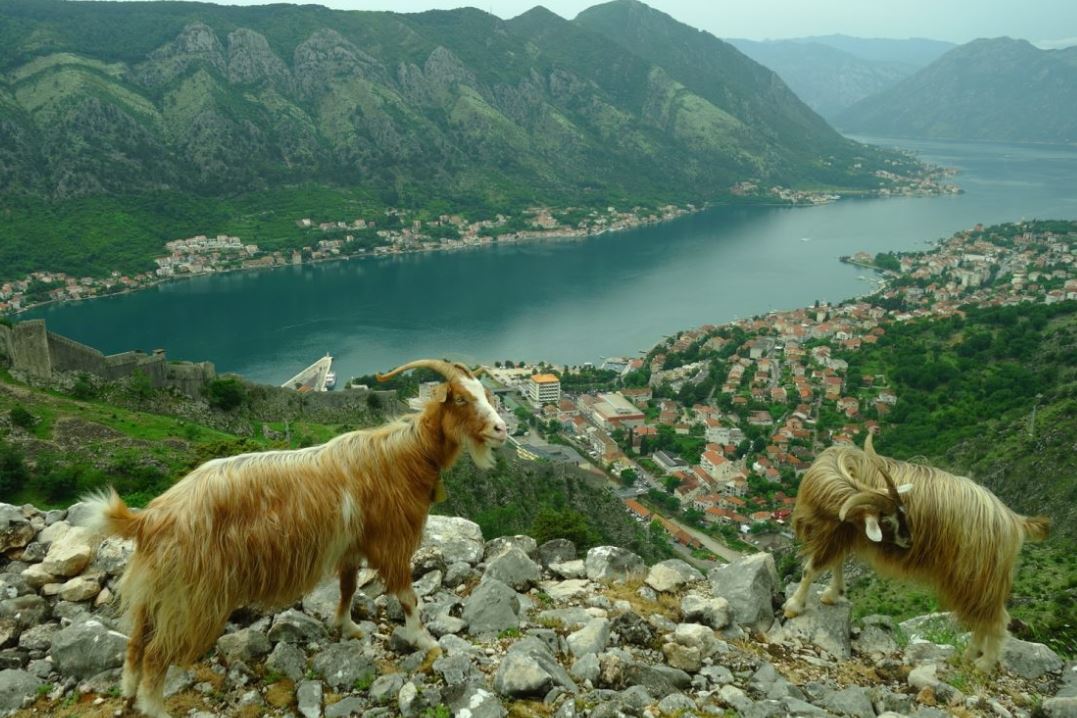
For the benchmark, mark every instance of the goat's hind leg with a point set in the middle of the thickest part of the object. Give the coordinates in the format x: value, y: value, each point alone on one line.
x: 413, y: 625
x: 343, y: 619
x: 151, y: 692
x: 136, y: 648
x: 836, y: 590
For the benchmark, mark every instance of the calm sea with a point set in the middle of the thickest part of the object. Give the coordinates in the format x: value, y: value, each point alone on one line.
x: 568, y: 301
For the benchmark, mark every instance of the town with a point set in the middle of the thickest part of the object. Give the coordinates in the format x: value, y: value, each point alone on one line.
x: 398, y: 231
x: 709, y: 433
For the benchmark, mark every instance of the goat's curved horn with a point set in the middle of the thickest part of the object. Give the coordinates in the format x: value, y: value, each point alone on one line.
x: 869, y: 449
x: 860, y: 498
x: 447, y: 370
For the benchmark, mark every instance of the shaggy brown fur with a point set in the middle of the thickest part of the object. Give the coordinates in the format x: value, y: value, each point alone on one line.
x: 963, y: 540
x: 266, y: 528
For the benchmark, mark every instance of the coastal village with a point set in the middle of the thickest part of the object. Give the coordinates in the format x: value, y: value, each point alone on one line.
x: 709, y: 433
x: 393, y: 233
x: 398, y: 231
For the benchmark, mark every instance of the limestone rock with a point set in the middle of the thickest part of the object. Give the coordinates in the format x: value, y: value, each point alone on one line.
x: 592, y: 638
x: 713, y: 612
x: 512, y: 567
x: 491, y: 608
x: 496, y: 547
x: 85, y: 649
x: 293, y: 626
x: 17, y: 688
x: 672, y: 575
x: 244, y: 645
x: 458, y: 539
x: 70, y: 555
x: 80, y: 588
x: 612, y: 563
x: 342, y: 664
x: 15, y: 528
x: 1029, y: 660
x: 556, y: 551
x: 749, y: 585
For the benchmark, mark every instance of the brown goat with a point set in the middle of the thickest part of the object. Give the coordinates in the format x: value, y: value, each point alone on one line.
x: 265, y: 528
x: 917, y: 523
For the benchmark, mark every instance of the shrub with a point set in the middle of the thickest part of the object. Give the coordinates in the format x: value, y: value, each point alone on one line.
x: 226, y: 394
x: 22, y: 418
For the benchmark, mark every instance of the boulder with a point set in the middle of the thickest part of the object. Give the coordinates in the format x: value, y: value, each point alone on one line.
x: 592, y: 638
x: 15, y: 528
x: 672, y: 575
x: 1029, y: 660
x: 495, y: 547
x: 713, y: 612
x: 293, y: 626
x: 614, y: 564
x: 491, y: 608
x: 825, y: 627
x: 243, y: 645
x: 342, y: 664
x: 458, y: 539
x: 70, y: 555
x: 556, y: 551
x: 749, y: 585
x: 17, y: 688
x: 85, y: 649
x: 513, y: 568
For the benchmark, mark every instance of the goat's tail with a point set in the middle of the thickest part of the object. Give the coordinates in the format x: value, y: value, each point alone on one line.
x: 1036, y: 527
x: 110, y: 516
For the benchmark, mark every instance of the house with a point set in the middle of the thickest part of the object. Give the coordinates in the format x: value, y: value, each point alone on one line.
x: 668, y: 462
x: 544, y: 388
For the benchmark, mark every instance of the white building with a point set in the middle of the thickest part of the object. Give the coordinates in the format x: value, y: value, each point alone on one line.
x: 544, y: 389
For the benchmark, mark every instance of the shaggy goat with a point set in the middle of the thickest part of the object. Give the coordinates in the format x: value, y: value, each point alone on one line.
x: 935, y: 528
x: 266, y: 528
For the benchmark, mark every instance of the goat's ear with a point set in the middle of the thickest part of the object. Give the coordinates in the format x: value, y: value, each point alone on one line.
x: 871, y: 528
x: 904, y: 488
x: 440, y: 393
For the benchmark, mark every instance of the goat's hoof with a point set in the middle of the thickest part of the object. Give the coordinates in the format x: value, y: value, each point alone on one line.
x: 829, y: 599
x: 985, y: 665
x: 792, y: 611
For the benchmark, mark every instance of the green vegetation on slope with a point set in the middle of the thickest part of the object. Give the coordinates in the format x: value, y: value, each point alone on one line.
x: 124, y: 125
x: 56, y: 446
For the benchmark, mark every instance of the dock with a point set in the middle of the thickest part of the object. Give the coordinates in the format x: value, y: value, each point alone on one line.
x: 313, y: 378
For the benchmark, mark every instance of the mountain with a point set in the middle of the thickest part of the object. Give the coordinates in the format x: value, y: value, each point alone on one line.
x: 138, y: 119
x: 994, y: 89
x: 911, y: 52
x: 831, y: 73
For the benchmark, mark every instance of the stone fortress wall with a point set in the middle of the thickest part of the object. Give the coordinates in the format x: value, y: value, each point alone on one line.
x: 37, y: 353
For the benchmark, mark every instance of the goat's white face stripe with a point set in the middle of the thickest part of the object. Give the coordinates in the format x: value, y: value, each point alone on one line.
x: 482, y: 405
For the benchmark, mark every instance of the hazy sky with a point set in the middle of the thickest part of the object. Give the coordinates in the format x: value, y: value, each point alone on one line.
x: 1048, y: 21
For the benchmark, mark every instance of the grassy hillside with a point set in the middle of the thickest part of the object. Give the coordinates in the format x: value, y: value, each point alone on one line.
x: 124, y: 125
x: 55, y: 446
x: 967, y: 393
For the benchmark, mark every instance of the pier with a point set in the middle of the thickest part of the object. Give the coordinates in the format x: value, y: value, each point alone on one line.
x: 313, y: 378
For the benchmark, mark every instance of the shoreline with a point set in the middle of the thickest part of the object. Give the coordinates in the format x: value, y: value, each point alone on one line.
x: 575, y: 235
x: 796, y: 200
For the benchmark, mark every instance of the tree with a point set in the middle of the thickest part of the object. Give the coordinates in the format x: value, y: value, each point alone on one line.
x: 226, y: 394
x: 629, y: 477
x: 569, y: 524
x: 22, y: 418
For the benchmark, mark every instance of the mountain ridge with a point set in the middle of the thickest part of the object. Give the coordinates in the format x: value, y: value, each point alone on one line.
x: 979, y: 91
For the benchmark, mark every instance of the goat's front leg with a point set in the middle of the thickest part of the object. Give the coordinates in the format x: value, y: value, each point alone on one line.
x: 413, y: 625
x: 795, y: 604
x: 836, y: 589
x: 343, y: 619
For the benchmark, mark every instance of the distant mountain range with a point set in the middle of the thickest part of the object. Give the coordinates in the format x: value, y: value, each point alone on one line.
x: 998, y: 89
x: 116, y: 98
x: 831, y: 73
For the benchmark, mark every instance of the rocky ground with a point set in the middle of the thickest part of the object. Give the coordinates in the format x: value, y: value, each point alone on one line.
x: 523, y: 630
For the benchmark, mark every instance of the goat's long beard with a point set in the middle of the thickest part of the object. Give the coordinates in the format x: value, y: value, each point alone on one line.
x: 481, y: 454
